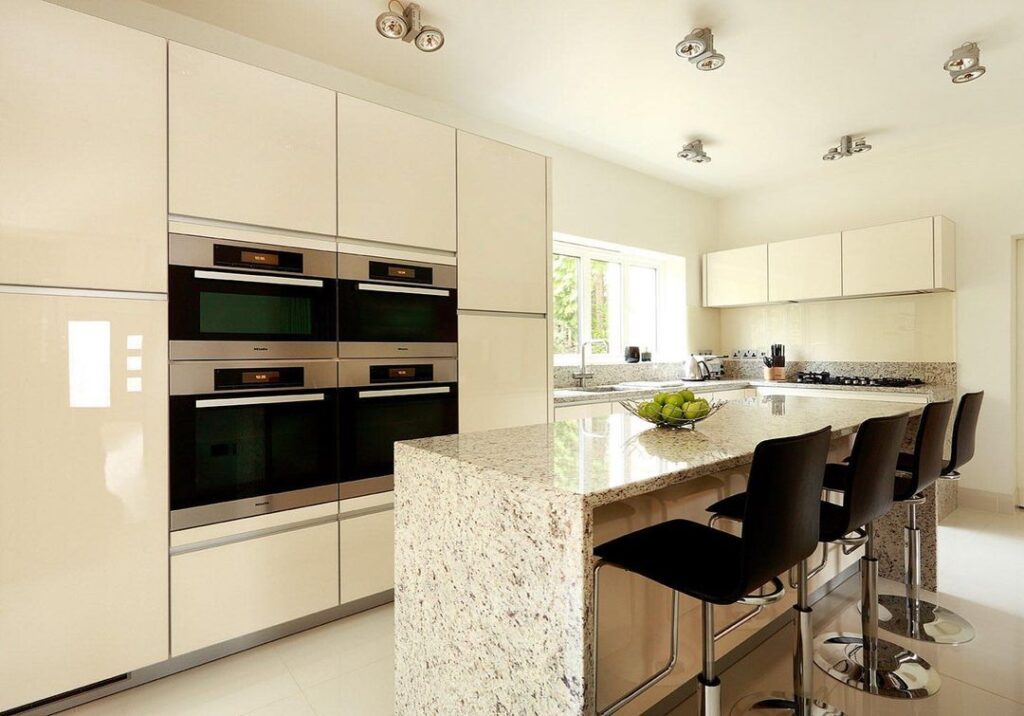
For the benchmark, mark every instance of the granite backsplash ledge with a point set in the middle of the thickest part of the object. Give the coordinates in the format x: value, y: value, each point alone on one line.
x: 936, y: 373
x: 613, y: 373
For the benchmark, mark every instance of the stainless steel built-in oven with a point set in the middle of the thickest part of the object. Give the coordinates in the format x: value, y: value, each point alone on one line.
x: 251, y: 437
x: 235, y: 300
x: 396, y: 308
x: 383, y: 401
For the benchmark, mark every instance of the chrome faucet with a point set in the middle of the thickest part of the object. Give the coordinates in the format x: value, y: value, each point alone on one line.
x: 582, y: 377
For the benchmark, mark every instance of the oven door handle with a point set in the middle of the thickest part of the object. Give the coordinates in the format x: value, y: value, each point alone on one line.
x: 439, y: 390
x: 259, y: 400
x: 258, y: 278
x: 385, y: 288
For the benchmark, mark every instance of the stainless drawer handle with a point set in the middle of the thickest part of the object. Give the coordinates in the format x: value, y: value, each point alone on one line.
x: 440, y: 390
x: 258, y: 400
x: 403, y: 289
x: 258, y: 278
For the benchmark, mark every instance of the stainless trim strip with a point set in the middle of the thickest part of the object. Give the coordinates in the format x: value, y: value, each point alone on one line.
x: 250, y: 350
x: 198, y: 377
x: 358, y: 349
x: 197, y: 252
x: 500, y: 314
x: 374, y: 509
x: 250, y: 506
x: 404, y: 391
x: 355, y: 373
x: 258, y: 278
x: 356, y: 267
x: 81, y: 292
x: 251, y: 535
x: 366, y: 486
x: 259, y: 400
x: 388, y: 288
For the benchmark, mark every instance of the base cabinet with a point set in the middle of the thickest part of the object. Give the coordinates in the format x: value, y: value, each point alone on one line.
x: 272, y: 573
x: 367, y: 539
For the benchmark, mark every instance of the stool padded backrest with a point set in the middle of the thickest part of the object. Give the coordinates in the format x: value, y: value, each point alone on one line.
x: 780, y: 526
x: 928, y: 448
x: 965, y: 427
x: 871, y: 471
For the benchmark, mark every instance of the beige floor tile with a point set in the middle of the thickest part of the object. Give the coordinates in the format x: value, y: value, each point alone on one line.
x: 367, y: 691
x: 296, y: 705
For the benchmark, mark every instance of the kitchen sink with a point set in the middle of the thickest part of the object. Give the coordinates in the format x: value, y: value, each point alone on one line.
x: 601, y: 389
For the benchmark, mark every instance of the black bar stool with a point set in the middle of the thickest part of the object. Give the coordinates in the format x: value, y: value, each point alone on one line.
x: 870, y: 473
x: 786, y: 478
x: 909, y: 615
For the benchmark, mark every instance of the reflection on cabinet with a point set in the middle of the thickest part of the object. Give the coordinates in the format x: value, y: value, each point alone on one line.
x: 83, y: 492
x: 250, y: 146
x: 396, y: 177
x: 503, y: 371
x: 83, y: 141
x: 844, y: 394
x: 903, y: 257
x: 502, y: 222
x: 805, y: 269
x: 367, y: 531
x: 736, y: 277
x: 590, y: 410
x: 235, y: 578
x: 735, y: 394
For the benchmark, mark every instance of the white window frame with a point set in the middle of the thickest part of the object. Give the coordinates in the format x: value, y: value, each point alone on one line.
x: 566, y: 246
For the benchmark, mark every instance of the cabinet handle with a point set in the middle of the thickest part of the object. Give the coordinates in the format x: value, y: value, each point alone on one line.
x: 258, y: 400
x: 403, y: 289
x: 404, y: 391
x: 258, y: 278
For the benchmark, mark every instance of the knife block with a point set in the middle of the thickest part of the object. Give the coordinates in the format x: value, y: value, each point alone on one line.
x: 774, y: 373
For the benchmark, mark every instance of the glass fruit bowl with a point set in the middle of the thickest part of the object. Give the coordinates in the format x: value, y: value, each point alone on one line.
x: 682, y: 423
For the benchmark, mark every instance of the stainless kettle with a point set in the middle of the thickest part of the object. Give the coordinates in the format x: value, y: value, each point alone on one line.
x: 696, y: 369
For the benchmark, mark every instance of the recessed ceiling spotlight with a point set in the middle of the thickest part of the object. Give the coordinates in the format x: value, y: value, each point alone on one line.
x: 848, y: 146
x: 699, y: 48
x: 694, y: 152
x: 407, y: 27
x: 964, y: 64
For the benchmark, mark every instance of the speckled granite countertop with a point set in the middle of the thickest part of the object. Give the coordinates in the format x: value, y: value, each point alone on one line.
x: 611, y: 458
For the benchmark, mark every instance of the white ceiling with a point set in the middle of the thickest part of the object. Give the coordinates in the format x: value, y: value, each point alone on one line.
x: 602, y: 76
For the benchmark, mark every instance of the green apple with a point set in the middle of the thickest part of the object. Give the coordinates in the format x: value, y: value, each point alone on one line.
x: 686, y: 395
x: 660, y: 398
x: 649, y: 411
x: 672, y: 412
x: 675, y: 399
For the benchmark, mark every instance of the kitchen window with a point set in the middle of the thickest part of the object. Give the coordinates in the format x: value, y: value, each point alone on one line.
x: 605, y: 293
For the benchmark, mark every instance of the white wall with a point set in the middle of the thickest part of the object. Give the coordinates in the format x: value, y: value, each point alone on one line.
x: 977, y: 184
x: 590, y: 197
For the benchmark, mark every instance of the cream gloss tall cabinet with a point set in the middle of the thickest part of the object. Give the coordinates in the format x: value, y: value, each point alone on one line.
x: 83, y: 492
x: 83, y: 151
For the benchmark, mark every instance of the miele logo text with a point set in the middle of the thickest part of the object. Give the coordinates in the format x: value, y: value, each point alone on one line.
x: 260, y: 348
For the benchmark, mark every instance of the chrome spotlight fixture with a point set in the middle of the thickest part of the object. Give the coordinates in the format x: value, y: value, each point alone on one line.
x: 847, y: 147
x: 699, y: 48
x: 694, y: 152
x: 407, y: 27
x: 964, y: 64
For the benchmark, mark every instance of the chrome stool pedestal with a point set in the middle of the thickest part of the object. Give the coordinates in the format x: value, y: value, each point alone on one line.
x: 867, y: 663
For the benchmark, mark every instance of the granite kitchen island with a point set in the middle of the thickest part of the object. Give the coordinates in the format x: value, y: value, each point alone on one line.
x: 495, y: 532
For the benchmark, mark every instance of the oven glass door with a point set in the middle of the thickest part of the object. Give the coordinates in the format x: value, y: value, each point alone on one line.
x: 373, y: 419
x: 243, y: 445
x: 382, y: 313
x: 217, y: 305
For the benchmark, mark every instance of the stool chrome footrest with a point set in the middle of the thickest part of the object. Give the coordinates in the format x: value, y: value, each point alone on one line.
x: 893, y: 671
x: 917, y: 619
x: 780, y: 703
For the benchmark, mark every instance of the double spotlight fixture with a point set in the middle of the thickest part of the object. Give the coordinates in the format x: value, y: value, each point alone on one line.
x: 694, y: 152
x: 964, y: 64
x: 408, y: 28
x: 848, y: 146
x: 699, y: 48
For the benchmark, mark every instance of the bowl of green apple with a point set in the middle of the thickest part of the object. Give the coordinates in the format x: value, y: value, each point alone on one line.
x: 682, y: 410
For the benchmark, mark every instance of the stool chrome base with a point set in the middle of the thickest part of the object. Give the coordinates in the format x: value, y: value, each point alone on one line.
x: 782, y: 703
x: 898, y: 674
x: 921, y: 620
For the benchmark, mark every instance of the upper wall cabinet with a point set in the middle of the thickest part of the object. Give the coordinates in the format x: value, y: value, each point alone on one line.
x: 903, y: 257
x: 805, y: 269
x: 503, y: 236
x: 83, y: 147
x: 250, y: 146
x: 736, y: 277
x: 396, y: 177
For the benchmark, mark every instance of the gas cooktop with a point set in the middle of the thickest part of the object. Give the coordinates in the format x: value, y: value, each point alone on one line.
x: 826, y: 378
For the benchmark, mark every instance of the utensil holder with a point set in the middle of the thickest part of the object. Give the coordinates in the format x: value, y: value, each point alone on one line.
x: 774, y: 373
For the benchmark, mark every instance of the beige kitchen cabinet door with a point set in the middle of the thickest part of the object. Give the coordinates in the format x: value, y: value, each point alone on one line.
x: 736, y: 277
x: 503, y: 236
x: 396, y: 177
x: 83, y: 151
x: 367, y: 533
x: 806, y: 269
x: 503, y: 371
x: 249, y: 146
x: 83, y: 492
x: 893, y: 258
